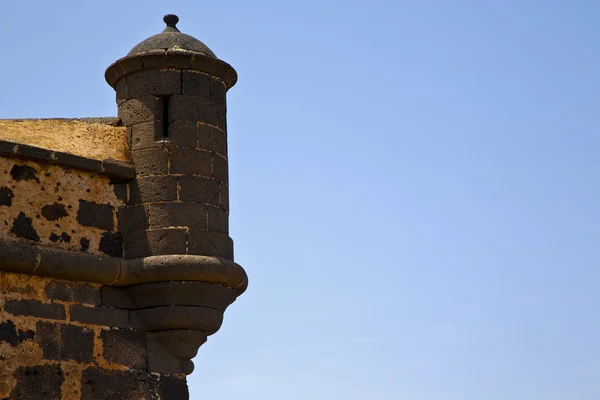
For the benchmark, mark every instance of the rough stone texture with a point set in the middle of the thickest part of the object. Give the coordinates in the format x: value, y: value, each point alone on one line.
x: 56, y: 206
x: 43, y: 358
x: 99, y: 139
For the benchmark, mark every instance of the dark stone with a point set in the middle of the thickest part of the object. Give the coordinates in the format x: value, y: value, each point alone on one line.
x: 120, y: 190
x: 35, y: 152
x: 157, y: 294
x: 191, y: 161
x: 111, y: 244
x: 126, y: 347
x: 6, y: 196
x: 199, y: 190
x: 193, y: 108
x: 8, y: 147
x: 64, y: 264
x: 220, y: 169
x: 212, y: 139
x: 132, y: 218
x: 218, y: 220
x: 118, y: 169
x: 12, y: 336
x: 116, y: 297
x: 203, y: 319
x: 155, y: 242
x: 141, y: 109
x: 79, y: 162
x: 101, y: 384
x: 192, y: 215
x: 24, y: 173
x: 73, y: 292
x: 173, y: 388
x: 112, y: 317
x: 54, y: 237
x: 155, y: 82
x: 94, y: 214
x: 65, y: 238
x: 153, y: 161
x: 153, y: 189
x: 85, y: 244
x: 65, y: 342
x: 52, y: 212
x: 35, y: 308
x: 203, y: 85
x: 39, y: 382
x: 183, y: 134
x: 224, y: 197
x: 146, y: 135
x: 21, y: 258
x: 208, y: 243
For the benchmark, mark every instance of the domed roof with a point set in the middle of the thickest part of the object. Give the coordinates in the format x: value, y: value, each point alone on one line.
x: 172, y: 39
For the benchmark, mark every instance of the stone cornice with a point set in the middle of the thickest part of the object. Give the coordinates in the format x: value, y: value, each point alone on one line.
x: 114, y: 169
x: 20, y: 257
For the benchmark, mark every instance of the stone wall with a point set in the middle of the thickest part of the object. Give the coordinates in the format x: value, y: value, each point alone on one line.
x: 60, y: 207
x: 57, y: 342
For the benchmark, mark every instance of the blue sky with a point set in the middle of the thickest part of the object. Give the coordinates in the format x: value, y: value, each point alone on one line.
x: 414, y: 186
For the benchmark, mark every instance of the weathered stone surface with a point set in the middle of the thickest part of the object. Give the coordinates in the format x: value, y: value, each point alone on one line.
x: 100, y: 384
x: 153, y: 189
x: 106, y: 316
x: 164, y: 215
x: 64, y: 342
x: 191, y: 161
x: 22, y: 227
x: 155, y: 242
x: 210, y: 244
x: 125, y: 347
x: 9, y: 334
x: 95, y: 214
x: 6, y: 196
x: 200, y: 190
x: 218, y: 220
x: 73, y: 292
x: 38, y: 382
x: 203, y: 319
x: 151, y: 161
x: 35, y: 308
x: 45, y: 208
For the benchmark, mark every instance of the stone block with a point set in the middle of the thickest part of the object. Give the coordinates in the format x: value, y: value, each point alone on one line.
x: 191, y: 162
x: 125, y: 347
x: 155, y: 242
x: 212, y: 139
x: 146, y: 135
x: 192, y: 108
x: 208, y: 243
x: 153, y: 189
x: 38, y: 382
x: 164, y: 215
x: 199, y: 190
x: 97, y: 215
x: 201, y: 319
x: 111, y: 244
x: 65, y: 342
x: 72, y: 160
x: 183, y: 134
x: 73, y: 292
x: 153, y: 161
x: 35, y: 308
x: 133, y: 218
x: 218, y: 220
x: 224, y: 198
x: 157, y: 82
x: 220, y: 169
x: 102, y: 384
x: 106, y: 316
x: 142, y: 109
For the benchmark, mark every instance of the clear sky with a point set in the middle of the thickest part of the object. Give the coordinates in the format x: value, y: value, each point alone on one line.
x: 414, y: 186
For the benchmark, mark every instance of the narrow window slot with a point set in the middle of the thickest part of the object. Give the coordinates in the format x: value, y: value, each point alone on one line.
x: 165, y: 116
